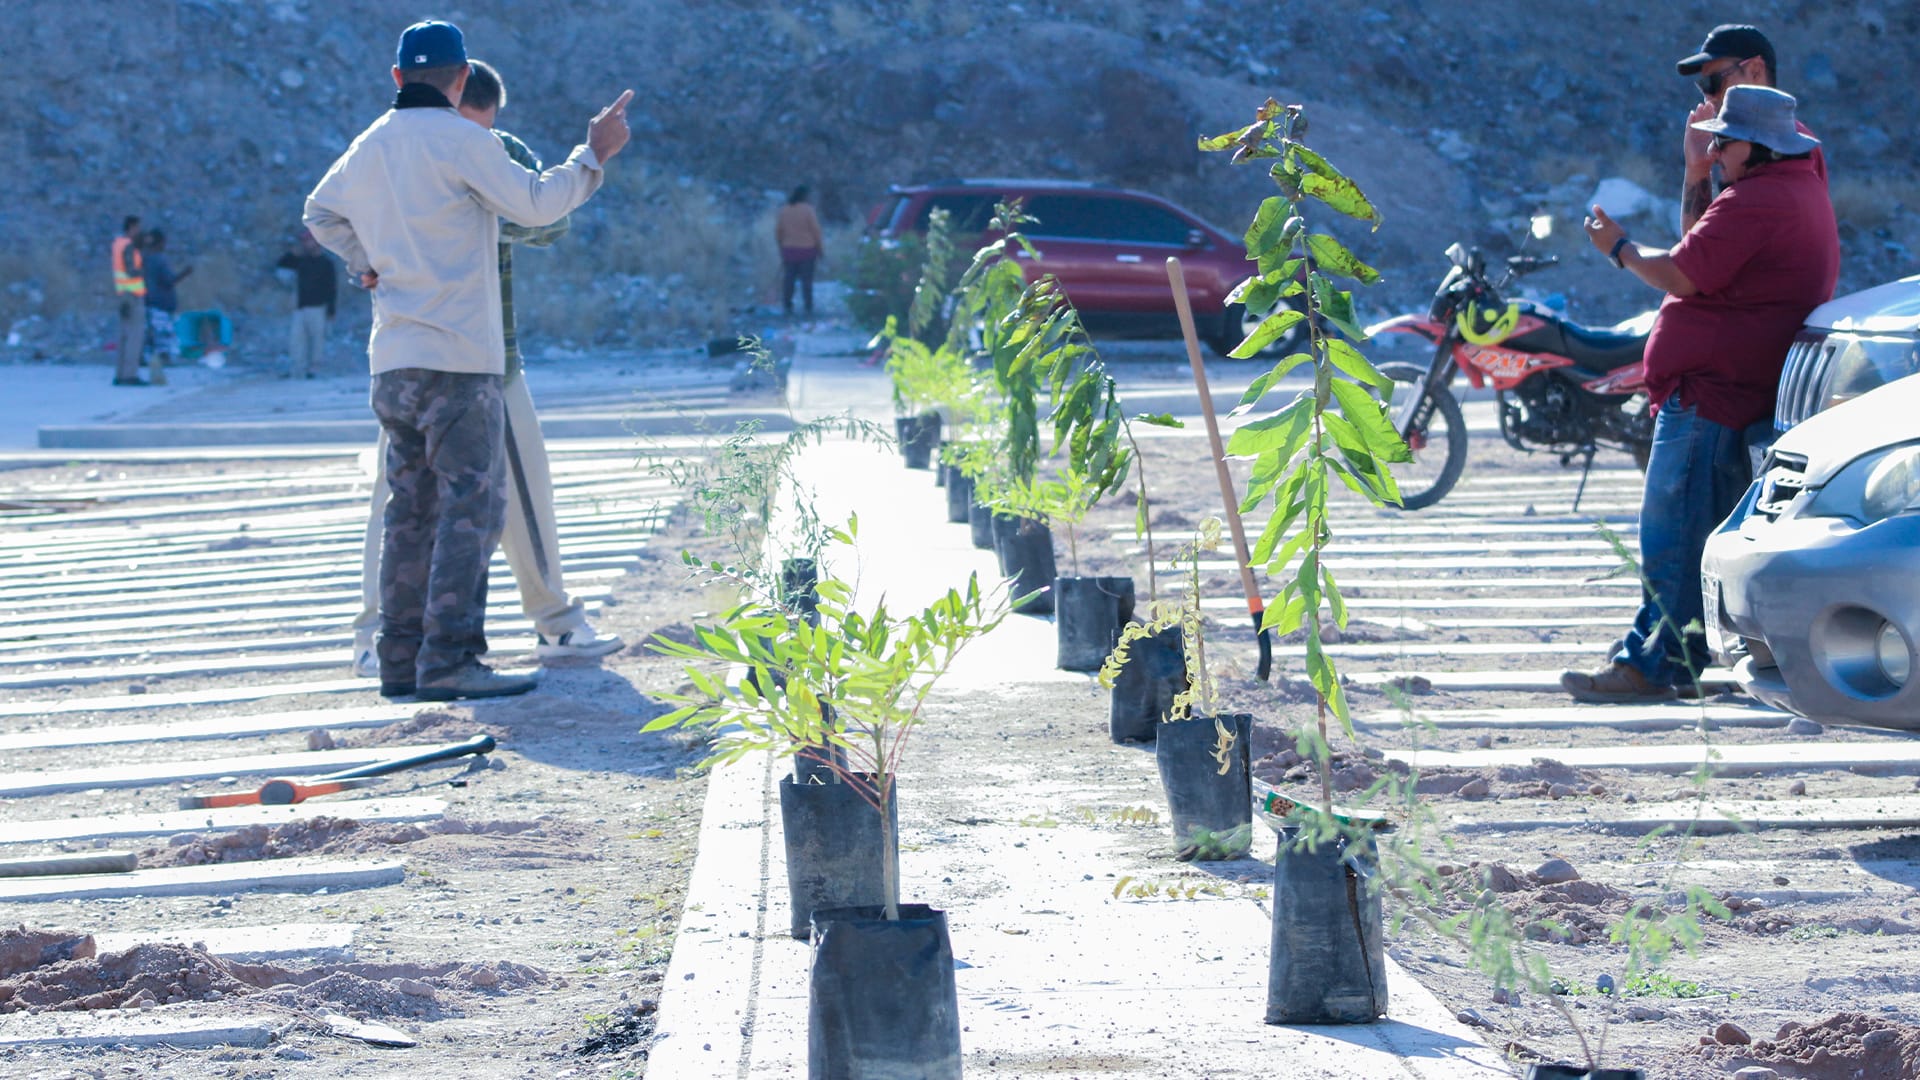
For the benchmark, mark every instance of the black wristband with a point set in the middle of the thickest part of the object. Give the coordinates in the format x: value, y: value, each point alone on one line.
x: 1615, y: 253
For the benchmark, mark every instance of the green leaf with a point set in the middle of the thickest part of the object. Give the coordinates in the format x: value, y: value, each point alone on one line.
x: 1284, y: 432
x: 1356, y: 366
x: 1366, y: 413
x: 1266, y: 333
x: 1332, y: 255
x: 1267, y: 227
x: 1342, y: 194
x: 1265, y: 381
x: 1336, y: 306
x: 1163, y: 420
x: 1214, y: 143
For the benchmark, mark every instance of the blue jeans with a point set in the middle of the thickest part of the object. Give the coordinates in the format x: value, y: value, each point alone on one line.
x: 1695, y: 477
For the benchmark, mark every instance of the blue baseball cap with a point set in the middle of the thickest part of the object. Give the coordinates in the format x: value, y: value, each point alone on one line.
x: 430, y: 44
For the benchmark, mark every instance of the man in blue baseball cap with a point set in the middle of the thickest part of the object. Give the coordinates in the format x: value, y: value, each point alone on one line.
x: 414, y: 207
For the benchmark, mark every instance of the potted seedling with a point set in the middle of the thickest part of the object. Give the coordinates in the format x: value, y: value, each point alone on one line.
x: 1088, y: 611
x: 1327, y: 964
x: 882, y: 986
x: 1202, y: 753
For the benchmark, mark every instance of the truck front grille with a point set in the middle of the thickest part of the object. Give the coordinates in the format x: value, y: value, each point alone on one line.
x: 1803, y: 381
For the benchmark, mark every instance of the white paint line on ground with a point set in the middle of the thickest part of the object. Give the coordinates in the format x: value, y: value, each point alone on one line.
x: 277, y: 875
x: 185, y: 612
x: 166, y: 772
x: 135, y: 1029
x: 209, y: 584
x: 1404, y: 527
x: 220, y: 695
x: 1894, y: 757
x: 1722, y: 817
x: 248, y: 944
x: 1674, y: 717
x: 223, y: 819
x: 1357, y: 584
x: 331, y: 658
x: 208, y: 727
x: 1546, y: 682
x: 1391, y: 649
x: 1624, y: 604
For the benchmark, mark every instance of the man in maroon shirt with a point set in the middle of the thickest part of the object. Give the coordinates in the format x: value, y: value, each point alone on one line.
x: 1739, y: 284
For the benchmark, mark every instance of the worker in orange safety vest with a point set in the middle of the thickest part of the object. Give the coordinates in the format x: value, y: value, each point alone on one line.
x: 130, y: 292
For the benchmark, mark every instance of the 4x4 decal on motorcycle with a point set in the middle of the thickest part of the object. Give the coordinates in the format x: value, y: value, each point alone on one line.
x: 1504, y: 366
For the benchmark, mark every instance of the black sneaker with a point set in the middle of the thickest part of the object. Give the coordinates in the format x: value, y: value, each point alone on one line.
x: 473, y: 680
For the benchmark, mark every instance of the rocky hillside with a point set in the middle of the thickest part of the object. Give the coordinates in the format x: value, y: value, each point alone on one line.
x: 212, y: 118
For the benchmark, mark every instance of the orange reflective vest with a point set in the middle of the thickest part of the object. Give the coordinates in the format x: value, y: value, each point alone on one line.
x: 128, y: 278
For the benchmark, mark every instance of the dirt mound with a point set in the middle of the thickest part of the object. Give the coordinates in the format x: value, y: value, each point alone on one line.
x: 168, y: 974
x: 22, y: 949
x: 430, y: 726
x: 1846, y: 1046
x: 145, y: 974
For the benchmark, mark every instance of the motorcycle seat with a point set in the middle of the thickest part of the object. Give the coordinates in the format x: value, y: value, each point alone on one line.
x: 1602, y: 350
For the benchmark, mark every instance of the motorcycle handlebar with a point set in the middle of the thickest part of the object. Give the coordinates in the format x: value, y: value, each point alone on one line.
x: 1527, y: 264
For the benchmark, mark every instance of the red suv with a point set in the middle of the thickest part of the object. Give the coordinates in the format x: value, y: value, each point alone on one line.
x: 1108, y: 247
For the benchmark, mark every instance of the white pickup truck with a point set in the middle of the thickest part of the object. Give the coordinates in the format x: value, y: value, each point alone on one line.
x: 1812, y: 586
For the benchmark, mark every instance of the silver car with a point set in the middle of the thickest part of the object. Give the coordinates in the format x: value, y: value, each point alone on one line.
x: 1812, y: 586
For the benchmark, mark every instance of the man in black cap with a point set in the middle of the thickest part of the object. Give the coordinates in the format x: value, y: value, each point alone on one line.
x: 414, y: 208
x: 1733, y: 55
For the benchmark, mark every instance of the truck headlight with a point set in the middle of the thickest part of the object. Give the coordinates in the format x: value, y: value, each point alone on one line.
x: 1872, y: 487
x: 1867, y: 363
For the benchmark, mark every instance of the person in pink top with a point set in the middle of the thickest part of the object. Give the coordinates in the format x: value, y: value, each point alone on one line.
x: 1763, y: 254
x: 797, y: 231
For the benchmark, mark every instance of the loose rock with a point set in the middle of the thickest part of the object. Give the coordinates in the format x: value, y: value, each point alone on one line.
x: 1476, y: 788
x: 1800, y: 725
x: 1731, y: 1034
x: 1555, y: 871
x: 1798, y: 787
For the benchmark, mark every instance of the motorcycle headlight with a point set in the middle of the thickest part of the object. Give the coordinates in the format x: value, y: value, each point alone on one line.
x: 1867, y: 363
x: 1873, y: 487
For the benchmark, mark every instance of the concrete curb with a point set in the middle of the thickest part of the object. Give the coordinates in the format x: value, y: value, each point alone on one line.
x: 294, y: 431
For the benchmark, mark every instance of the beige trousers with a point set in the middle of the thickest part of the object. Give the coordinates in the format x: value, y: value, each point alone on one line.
x: 309, y: 339
x: 531, y: 538
x: 133, y: 336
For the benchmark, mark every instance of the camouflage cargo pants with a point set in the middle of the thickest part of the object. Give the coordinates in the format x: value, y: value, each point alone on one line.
x: 446, y: 475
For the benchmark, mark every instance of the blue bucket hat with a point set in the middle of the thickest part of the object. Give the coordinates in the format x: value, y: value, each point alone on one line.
x: 430, y: 44
x: 1759, y: 114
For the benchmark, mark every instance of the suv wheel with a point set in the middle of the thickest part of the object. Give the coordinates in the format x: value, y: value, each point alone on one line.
x: 1236, y: 324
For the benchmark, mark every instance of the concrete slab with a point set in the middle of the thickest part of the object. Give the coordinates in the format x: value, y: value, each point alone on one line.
x: 223, y: 695
x: 274, y: 875
x: 1719, y: 817
x: 1886, y: 757
x: 167, y: 772
x: 225, y: 819
x: 1626, y: 604
x: 157, y: 1027
x: 249, y: 944
x: 307, y: 432
x: 1540, y: 682
x: 209, y: 727
x: 1674, y: 717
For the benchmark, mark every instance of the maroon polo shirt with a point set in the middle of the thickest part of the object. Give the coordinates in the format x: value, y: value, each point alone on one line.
x: 1764, y: 255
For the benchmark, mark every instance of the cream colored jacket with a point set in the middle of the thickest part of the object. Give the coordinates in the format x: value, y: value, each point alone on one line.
x: 417, y: 199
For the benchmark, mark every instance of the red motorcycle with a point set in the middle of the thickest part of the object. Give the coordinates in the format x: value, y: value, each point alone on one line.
x: 1559, y: 387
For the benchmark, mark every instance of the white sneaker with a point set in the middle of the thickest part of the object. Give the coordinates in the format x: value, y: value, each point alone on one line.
x: 581, y: 644
x: 366, y: 662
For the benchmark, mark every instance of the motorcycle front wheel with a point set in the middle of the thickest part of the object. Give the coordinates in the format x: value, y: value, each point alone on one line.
x: 1439, y: 446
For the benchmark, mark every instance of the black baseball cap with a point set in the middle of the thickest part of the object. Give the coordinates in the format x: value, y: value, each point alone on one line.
x: 1732, y: 40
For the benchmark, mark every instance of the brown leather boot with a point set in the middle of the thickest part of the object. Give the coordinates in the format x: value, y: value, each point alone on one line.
x: 1616, y: 684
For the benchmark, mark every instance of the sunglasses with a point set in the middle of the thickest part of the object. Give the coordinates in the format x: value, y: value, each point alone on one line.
x: 1711, y: 85
x: 1721, y: 142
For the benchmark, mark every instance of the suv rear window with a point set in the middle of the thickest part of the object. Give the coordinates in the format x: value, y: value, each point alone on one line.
x: 1120, y: 220
x: 969, y: 212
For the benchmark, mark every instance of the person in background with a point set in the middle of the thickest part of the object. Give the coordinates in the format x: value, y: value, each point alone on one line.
x: 129, y: 293
x: 163, y: 345
x: 316, y: 292
x: 413, y: 207
x: 531, y: 538
x: 797, y: 231
x: 1739, y: 284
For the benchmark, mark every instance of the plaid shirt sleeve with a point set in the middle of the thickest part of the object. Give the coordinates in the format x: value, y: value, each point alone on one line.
x: 538, y: 236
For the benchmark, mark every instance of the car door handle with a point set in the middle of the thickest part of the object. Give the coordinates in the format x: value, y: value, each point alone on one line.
x: 1126, y: 258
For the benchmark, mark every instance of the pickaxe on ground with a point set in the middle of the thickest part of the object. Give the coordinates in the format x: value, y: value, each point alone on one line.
x: 281, y: 791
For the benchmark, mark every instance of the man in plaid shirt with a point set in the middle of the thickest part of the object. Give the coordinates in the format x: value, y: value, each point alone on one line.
x: 530, y: 540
